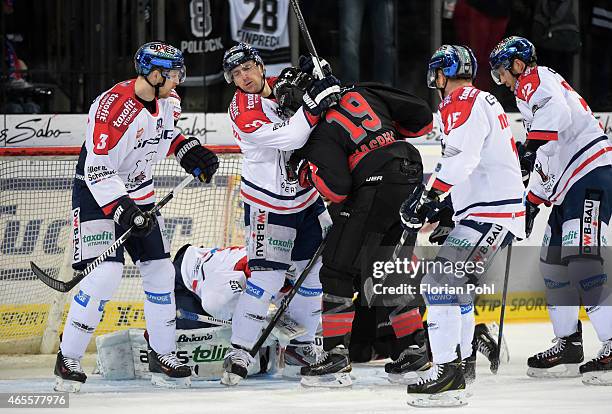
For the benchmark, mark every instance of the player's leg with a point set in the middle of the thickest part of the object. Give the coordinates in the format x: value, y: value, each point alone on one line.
x: 92, y: 234
x: 269, y: 238
x: 152, y: 257
x: 450, y: 317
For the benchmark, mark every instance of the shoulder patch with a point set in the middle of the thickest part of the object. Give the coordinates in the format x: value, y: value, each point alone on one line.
x: 116, y: 111
x: 527, y: 84
x: 456, y: 108
x: 246, y: 110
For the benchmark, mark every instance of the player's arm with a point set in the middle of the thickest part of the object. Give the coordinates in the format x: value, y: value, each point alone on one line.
x: 100, y: 175
x: 325, y: 167
x: 463, y: 143
x: 411, y: 114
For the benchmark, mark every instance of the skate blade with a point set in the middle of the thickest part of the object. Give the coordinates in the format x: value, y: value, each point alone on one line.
x: 407, y: 378
x: 62, y: 385
x: 292, y: 372
x: 164, y: 381
x: 455, y: 398
x: 230, y: 379
x: 336, y: 380
x: 597, y: 378
x: 560, y: 371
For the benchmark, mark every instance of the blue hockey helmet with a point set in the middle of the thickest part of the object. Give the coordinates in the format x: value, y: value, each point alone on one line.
x: 237, y: 55
x: 456, y: 62
x: 157, y: 55
x: 513, y: 47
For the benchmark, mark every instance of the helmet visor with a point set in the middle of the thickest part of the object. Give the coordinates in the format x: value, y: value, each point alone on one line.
x: 431, y: 76
x: 496, y: 76
x: 176, y: 75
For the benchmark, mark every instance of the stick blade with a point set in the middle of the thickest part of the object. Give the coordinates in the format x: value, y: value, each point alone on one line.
x: 48, y: 280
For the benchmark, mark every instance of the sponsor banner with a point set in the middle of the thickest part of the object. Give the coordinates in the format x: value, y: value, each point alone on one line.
x: 52, y: 130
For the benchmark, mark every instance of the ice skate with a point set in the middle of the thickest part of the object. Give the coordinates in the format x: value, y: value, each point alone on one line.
x: 560, y: 361
x: 485, y: 342
x: 236, y: 366
x: 68, y: 374
x: 409, y: 366
x: 598, y: 371
x: 298, y: 355
x: 167, y: 371
x: 332, y: 369
x: 443, y: 385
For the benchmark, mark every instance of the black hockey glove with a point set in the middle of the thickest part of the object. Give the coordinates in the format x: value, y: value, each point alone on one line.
x: 527, y: 157
x: 445, y: 222
x: 309, y: 65
x: 127, y: 214
x: 420, y: 207
x: 531, y: 212
x: 321, y: 95
x: 196, y: 159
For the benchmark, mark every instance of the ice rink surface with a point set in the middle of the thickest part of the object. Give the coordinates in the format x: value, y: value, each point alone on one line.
x: 511, y: 391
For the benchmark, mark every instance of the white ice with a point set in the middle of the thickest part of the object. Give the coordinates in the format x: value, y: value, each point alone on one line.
x: 511, y: 391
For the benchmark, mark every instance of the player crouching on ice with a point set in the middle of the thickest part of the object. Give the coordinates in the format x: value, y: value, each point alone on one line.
x: 129, y: 128
x: 208, y: 283
x: 568, y: 149
x: 480, y: 169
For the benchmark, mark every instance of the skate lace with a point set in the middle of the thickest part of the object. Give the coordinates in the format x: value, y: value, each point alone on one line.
x: 240, y: 357
x: 605, y: 351
x: 72, y: 364
x: 431, y: 374
x: 483, y: 347
x: 559, y: 345
x: 170, y: 360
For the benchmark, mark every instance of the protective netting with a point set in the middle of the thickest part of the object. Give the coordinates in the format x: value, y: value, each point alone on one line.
x: 35, y: 210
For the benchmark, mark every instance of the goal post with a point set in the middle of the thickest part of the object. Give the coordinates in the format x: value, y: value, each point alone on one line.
x: 35, y: 209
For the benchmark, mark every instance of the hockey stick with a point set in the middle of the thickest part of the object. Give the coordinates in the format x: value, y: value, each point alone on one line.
x: 285, y: 303
x: 61, y: 286
x: 495, y: 364
x: 305, y: 33
x: 191, y: 316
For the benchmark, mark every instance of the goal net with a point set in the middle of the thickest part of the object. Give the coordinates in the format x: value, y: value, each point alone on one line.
x: 35, y: 206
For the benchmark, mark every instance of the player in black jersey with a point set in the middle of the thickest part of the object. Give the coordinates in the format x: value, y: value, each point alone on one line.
x: 358, y: 159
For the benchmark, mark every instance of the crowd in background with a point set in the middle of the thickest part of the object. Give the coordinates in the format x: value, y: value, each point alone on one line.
x: 388, y: 41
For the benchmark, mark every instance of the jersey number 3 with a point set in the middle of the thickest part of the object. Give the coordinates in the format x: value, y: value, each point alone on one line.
x: 358, y: 108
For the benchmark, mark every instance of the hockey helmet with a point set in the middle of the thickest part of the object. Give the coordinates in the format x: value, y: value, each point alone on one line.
x: 157, y: 55
x: 454, y: 61
x: 289, y: 89
x: 237, y: 55
x: 513, y: 47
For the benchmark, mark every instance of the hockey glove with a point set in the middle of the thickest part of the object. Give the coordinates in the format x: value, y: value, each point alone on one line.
x: 127, y: 214
x: 527, y: 159
x: 321, y: 95
x: 445, y: 222
x: 309, y: 65
x: 304, y: 174
x: 531, y: 212
x: 411, y: 212
x: 196, y: 159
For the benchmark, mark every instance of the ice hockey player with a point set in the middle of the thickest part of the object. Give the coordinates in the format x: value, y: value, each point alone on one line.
x: 209, y: 282
x: 572, y: 158
x: 357, y: 159
x: 480, y: 169
x: 285, y: 221
x: 129, y: 128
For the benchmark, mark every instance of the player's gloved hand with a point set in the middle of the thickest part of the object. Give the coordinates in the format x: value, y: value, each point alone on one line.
x: 411, y: 211
x: 127, y: 214
x: 308, y: 64
x: 196, y: 159
x: 531, y: 212
x: 445, y: 222
x: 527, y: 159
x: 321, y: 95
x: 304, y: 174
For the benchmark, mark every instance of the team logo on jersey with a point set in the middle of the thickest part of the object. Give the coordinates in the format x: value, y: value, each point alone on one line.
x: 139, y: 133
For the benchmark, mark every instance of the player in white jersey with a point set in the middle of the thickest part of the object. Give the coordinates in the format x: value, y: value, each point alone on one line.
x: 129, y: 128
x: 572, y: 157
x: 480, y: 169
x: 284, y: 221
